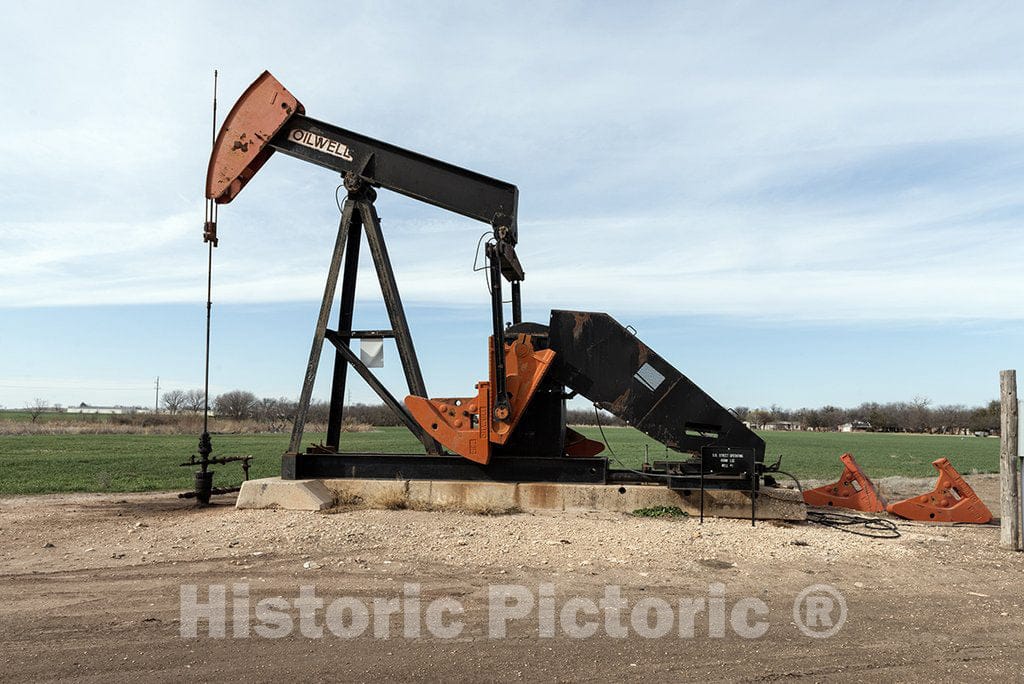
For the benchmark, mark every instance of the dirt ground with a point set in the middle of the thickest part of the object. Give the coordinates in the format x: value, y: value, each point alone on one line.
x: 91, y: 590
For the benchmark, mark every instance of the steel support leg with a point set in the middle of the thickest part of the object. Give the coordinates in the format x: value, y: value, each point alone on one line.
x: 393, y: 302
x: 321, y: 326
x: 348, y: 300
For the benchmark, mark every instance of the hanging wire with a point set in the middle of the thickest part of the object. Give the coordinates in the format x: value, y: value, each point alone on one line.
x: 483, y: 266
x: 337, y: 199
x: 872, y: 527
x: 597, y: 419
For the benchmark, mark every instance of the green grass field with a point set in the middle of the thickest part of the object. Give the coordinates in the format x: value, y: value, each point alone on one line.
x: 17, y: 416
x: 35, y: 464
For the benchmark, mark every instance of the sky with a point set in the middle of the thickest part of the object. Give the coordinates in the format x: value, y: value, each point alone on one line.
x: 794, y: 203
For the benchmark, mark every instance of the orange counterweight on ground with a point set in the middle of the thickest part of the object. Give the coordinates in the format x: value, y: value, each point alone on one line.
x: 853, y: 490
x: 952, y: 500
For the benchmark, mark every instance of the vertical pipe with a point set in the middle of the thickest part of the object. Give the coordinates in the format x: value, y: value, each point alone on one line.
x: 497, y: 333
x: 204, y: 479
x: 517, y: 304
x: 701, y: 486
x: 753, y: 491
x: 206, y: 363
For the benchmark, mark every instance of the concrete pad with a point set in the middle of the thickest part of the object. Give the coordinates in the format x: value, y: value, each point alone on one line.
x: 470, y: 496
x: 292, y: 495
x: 772, y: 504
x: 372, y: 493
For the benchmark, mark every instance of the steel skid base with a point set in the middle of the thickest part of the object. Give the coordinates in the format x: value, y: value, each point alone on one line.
x: 321, y: 465
x: 311, y: 466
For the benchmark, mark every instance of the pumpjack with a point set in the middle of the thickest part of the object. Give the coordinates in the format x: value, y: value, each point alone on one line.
x: 513, y: 427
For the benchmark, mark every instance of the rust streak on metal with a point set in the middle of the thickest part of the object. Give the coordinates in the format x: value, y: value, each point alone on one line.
x: 580, y: 322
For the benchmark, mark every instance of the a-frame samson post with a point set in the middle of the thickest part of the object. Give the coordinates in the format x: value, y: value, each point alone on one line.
x: 358, y: 216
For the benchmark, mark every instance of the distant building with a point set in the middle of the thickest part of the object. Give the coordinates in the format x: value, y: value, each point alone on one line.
x: 86, y: 408
x: 782, y: 425
x: 856, y: 426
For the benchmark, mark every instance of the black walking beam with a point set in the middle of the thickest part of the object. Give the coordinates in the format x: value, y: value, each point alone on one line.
x: 408, y: 173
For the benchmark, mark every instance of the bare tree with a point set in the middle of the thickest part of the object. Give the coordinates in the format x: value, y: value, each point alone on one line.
x: 37, y: 408
x: 832, y: 417
x: 193, y: 401
x: 740, y: 412
x: 950, y: 420
x: 810, y: 419
x: 275, y: 414
x: 985, y: 418
x: 237, y: 404
x: 759, y: 417
x: 173, y: 401
x: 919, y: 414
x: 319, y: 412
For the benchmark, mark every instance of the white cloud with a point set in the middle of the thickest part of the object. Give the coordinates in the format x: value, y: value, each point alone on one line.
x: 852, y: 163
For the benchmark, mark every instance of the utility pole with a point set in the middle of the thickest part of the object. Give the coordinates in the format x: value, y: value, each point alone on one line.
x: 1009, y: 450
x: 156, y: 403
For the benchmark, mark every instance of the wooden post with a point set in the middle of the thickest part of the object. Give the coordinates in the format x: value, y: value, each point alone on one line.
x: 1009, y: 483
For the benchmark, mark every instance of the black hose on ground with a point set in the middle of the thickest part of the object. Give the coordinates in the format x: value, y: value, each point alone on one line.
x: 874, y: 528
